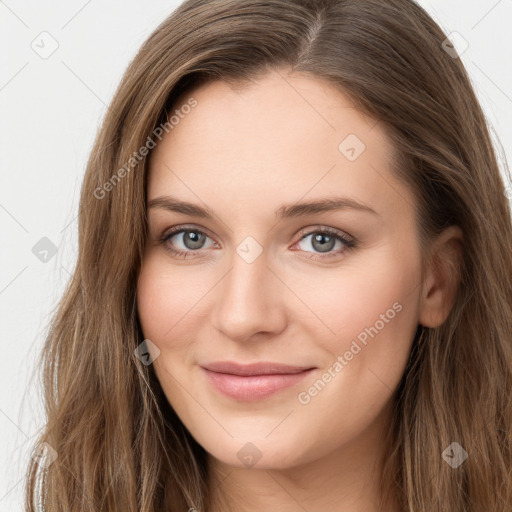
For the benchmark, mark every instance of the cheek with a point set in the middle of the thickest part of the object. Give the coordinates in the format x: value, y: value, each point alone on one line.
x: 371, y: 313
x: 165, y: 298
x: 357, y: 298
x: 152, y: 301
x: 373, y: 316
x: 159, y: 309
x: 161, y: 303
x: 171, y: 304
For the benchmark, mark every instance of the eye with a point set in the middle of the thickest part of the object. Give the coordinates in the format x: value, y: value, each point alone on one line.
x: 191, y: 239
x: 324, y: 239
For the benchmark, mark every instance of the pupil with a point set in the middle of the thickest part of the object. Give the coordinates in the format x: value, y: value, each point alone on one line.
x: 193, y: 238
x: 324, y: 246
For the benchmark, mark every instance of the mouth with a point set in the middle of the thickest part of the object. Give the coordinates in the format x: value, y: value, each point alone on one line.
x: 254, y: 381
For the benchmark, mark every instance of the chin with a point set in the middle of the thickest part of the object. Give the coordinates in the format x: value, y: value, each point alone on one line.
x: 259, y: 451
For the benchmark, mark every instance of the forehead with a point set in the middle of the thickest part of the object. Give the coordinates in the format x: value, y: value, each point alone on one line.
x: 279, y: 139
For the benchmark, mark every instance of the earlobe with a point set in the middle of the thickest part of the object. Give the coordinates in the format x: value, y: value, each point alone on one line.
x: 442, y: 277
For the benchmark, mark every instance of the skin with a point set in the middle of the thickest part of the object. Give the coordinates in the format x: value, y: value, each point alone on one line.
x: 244, y: 154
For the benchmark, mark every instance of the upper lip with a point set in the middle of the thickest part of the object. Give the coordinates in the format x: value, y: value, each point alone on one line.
x: 260, y: 368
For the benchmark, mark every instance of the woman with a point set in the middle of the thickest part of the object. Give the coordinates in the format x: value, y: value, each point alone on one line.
x: 294, y: 280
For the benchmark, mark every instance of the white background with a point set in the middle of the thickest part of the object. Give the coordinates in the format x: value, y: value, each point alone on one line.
x: 50, y: 111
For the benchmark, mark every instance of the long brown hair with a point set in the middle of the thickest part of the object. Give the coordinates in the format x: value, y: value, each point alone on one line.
x: 119, y: 444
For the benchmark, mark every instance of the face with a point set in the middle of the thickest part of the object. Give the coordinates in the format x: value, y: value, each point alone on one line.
x: 282, y: 329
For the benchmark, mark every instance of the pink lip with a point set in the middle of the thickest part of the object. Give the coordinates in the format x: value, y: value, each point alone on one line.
x: 253, y: 381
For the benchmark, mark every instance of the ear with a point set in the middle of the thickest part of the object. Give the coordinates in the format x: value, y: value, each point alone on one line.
x: 442, y: 277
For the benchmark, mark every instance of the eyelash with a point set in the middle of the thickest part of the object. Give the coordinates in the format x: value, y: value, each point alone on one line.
x: 349, y: 242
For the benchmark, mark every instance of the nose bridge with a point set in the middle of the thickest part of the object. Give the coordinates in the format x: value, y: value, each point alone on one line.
x: 247, y: 300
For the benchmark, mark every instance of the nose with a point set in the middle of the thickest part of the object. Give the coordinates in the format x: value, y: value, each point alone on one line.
x: 249, y: 300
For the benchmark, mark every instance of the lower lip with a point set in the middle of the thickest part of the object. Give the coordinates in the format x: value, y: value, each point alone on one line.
x: 254, y: 387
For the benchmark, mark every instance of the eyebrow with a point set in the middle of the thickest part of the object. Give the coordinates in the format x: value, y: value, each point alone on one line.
x: 286, y: 211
